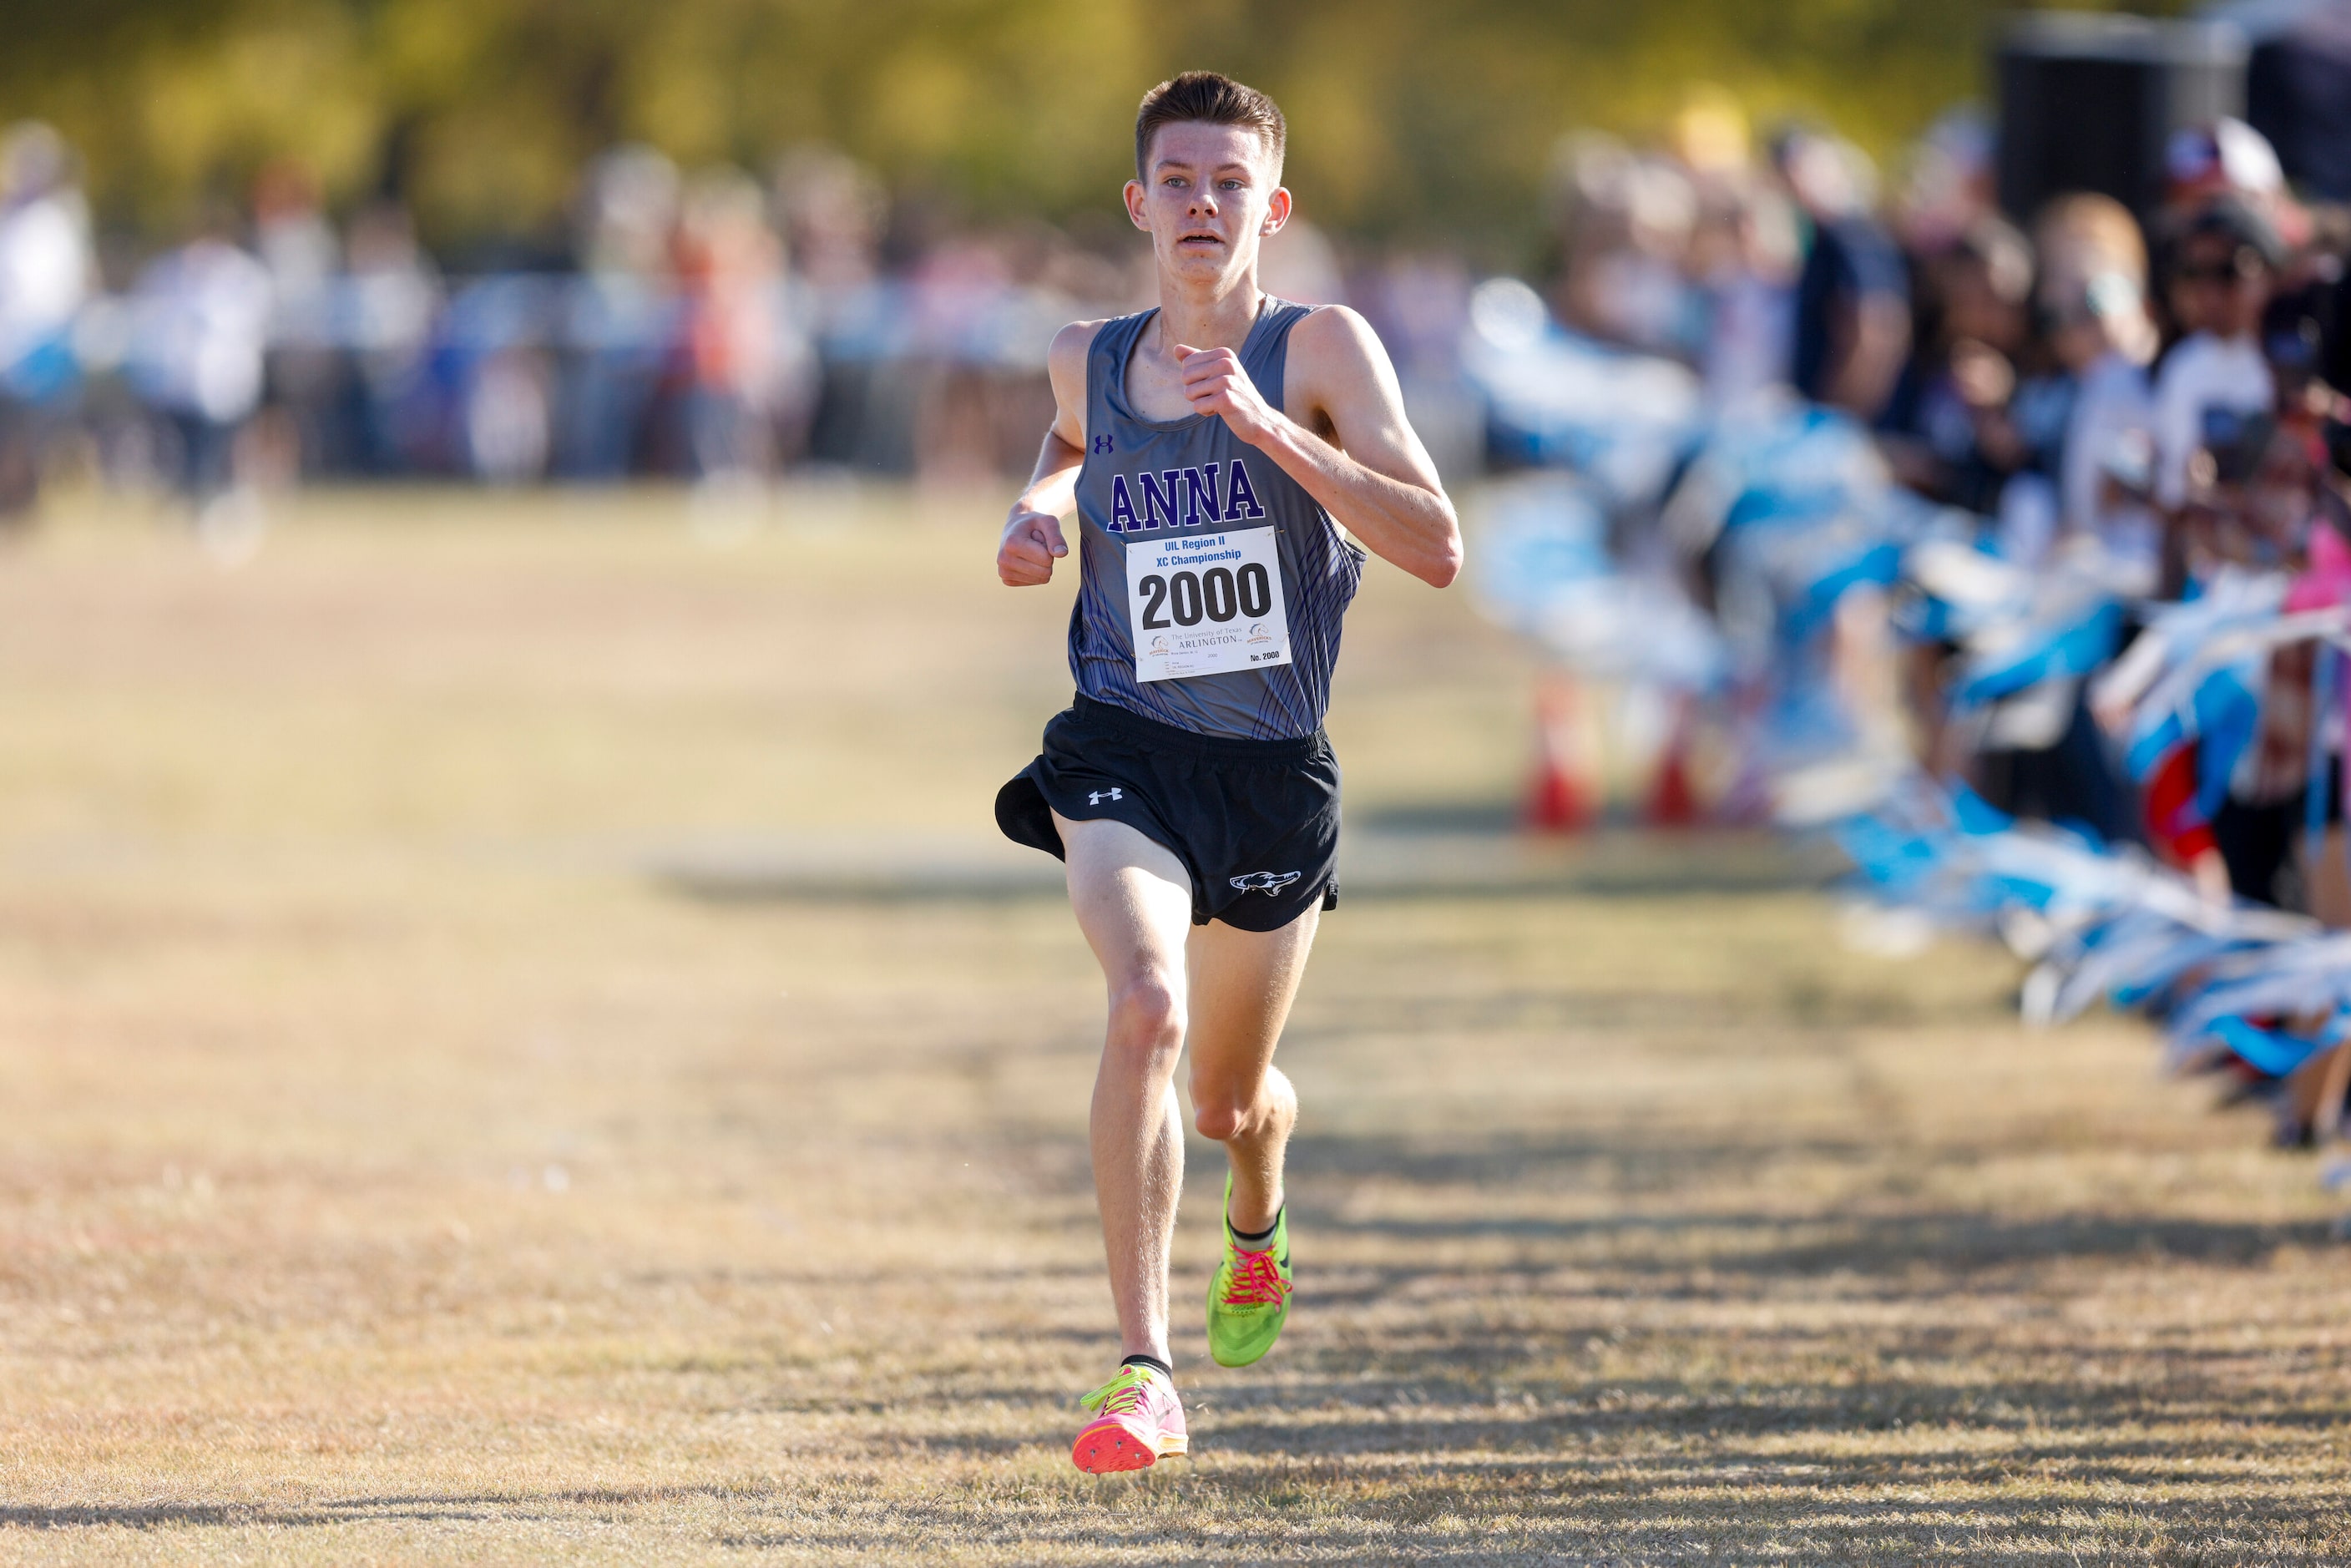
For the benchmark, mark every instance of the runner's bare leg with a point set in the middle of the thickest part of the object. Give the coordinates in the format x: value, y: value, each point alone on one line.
x: 1242, y: 986
x: 1133, y: 902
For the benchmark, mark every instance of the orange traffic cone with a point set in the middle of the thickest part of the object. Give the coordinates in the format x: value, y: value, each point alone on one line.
x: 1556, y: 803
x: 1673, y: 803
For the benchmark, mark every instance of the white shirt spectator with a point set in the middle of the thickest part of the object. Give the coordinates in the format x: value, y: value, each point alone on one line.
x: 203, y: 322
x: 44, y: 259
x: 2203, y: 373
x: 299, y: 250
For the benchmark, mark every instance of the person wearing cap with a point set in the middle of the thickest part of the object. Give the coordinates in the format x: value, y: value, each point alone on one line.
x: 2216, y: 376
x: 2227, y: 157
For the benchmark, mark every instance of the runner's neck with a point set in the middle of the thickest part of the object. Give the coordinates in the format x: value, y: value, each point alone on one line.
x: 1220, y: 321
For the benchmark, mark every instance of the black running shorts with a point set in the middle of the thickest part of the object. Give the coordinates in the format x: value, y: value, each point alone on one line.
x: 1255, y: 822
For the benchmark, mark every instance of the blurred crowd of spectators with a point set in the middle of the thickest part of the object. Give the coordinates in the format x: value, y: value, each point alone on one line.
x: 2153, y: 404
x: 703, y: 324
x: 2088, y: 374
x: 712, y: 326
x: 700, y: 325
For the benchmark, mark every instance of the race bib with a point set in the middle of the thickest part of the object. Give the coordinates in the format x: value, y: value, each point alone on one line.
x: 1205, y: 604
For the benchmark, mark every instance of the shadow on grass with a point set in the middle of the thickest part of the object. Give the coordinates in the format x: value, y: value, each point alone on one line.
x: 1568, y: 1511
x: 747, y: 890
x: 1441, y: 1404
x: 428, y: 1506
x: 148, y: 1516
x: 1891, y: 1238
x: 1746, y: 1246
x: 1470, y: 851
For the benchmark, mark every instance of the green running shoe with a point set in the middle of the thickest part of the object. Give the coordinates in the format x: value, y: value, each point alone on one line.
x: 1248, y: 1296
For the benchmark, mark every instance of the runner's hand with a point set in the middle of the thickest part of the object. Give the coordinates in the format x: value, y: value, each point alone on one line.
x: 1215, y: 383
x: 1032, y: 541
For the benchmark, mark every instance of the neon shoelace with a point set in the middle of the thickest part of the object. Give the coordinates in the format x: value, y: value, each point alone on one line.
x: 1256, y: 1280
x: 1128, y: 1393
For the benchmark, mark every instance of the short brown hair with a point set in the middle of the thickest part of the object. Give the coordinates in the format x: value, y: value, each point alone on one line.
x: 1214, y: 99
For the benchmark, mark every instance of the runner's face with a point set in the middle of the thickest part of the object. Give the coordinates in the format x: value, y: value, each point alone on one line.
x: 1210, y: 195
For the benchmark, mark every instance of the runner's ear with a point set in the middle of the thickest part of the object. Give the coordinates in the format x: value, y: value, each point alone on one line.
x: 1277, y: 212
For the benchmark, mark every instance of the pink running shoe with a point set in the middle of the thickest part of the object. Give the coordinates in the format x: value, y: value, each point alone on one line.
x: 1138, y: 1421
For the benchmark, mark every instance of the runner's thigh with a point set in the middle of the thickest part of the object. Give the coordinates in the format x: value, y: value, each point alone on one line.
x: 1242, y: 985
x: 1133, y: 899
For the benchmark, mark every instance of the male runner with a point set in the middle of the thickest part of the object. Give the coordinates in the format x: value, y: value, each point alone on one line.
x: 1211, y: 448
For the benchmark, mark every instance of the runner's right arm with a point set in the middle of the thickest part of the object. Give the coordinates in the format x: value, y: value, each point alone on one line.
x: 1032, y: 538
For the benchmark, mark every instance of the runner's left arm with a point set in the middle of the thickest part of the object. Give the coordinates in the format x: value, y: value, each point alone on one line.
x: 1363, y: 464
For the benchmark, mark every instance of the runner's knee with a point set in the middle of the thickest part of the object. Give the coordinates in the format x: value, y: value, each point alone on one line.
x: 1223, y: 1111
x: 1226, y: 1106
x: 1219, y: 1121
x: 1146, y: 1017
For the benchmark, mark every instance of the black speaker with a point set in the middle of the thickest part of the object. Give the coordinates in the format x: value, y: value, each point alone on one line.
x: 2088, y: 100
x: 2298, y: 94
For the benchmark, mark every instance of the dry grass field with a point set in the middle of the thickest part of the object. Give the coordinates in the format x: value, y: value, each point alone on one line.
x: 518, y: 1045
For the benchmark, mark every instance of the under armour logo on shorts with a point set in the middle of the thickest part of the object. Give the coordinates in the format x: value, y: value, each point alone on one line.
x: 1265, y: 881
x: 1097, y: 797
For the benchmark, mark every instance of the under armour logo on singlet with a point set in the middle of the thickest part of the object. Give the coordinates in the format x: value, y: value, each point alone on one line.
x: 1104, y: 444
x: 1097, y: 797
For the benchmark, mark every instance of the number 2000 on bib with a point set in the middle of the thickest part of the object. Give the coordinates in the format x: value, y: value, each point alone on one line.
x: 1206, y: 604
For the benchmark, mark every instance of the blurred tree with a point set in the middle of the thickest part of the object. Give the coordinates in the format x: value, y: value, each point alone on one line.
x: 1409, y: 119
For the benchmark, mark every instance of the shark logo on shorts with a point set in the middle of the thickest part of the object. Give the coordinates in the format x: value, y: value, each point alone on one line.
x: 1265, y: 881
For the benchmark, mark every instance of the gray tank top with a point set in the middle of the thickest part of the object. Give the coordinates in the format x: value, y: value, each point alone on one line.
x: 1150, y: 484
